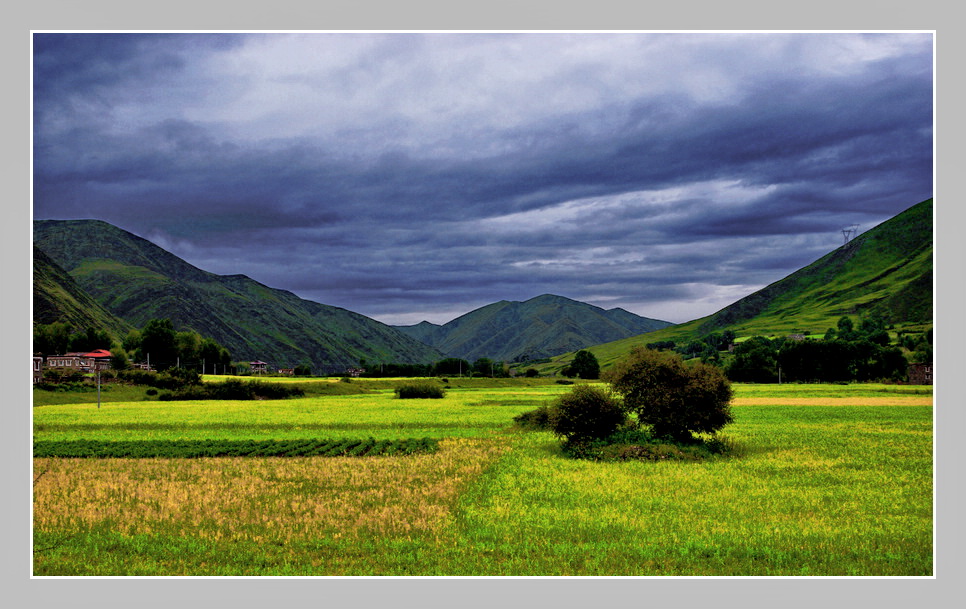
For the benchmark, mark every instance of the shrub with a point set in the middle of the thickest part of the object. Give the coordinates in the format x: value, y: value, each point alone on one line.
x: 588, y: 412
x: 55, y: 375
x: 675, y: 399
x: 639, y: 445
x: 419, y: 390
x: 172, y: 378
x: 538, y: 419
x: 233, y: 389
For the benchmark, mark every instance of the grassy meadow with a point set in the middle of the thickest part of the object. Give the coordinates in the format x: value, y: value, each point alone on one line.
x: 828, y: 480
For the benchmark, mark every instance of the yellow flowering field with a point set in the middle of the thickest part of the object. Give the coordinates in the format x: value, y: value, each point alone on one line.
x: 813, y: 489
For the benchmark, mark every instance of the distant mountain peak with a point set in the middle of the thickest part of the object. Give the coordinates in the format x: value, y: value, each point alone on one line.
x: 539, y: 327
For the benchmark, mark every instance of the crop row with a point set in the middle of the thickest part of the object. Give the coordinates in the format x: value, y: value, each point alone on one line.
x: 143, y: 449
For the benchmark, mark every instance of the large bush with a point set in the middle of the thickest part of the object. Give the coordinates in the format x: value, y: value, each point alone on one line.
x: 588, y: 412
x: 420, y: 390
x: 233, y: 389
x: 675, y: 399
x: 173, y: 378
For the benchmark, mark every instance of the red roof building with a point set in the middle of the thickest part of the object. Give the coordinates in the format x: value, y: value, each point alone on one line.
x: 100, y: 359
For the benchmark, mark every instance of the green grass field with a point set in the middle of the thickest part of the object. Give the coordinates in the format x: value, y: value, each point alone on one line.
x: 840, y: 484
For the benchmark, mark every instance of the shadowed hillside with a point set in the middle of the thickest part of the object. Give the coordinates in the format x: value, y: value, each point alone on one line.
x: 137, y: 281
x: 58, y: 298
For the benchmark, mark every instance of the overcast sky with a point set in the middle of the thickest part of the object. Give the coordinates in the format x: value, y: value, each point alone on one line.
x: 415, y: 177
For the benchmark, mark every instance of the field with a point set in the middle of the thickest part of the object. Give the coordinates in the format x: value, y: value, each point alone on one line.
x: 829, y: 480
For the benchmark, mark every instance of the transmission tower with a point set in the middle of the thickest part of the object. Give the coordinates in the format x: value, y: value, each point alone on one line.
x: 849, y: 233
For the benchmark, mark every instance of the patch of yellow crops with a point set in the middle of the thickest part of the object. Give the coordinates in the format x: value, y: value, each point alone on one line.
x: 895, y: 400
x: 270, y: 499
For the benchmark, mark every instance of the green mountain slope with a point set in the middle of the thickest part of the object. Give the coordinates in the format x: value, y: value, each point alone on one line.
x: 137, y: 281
x: 58, y: 298
x: 886, y: 271
x: 537, y: 328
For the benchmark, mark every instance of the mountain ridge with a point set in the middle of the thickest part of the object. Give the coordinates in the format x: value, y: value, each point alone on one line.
x: 137, y: 280
x: 58, y: 298
x: 536, y: 328
x: 886, y: 271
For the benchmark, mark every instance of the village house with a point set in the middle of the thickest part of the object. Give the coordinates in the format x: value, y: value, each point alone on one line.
x: 95, y: 361
x: 258, y: 367
x: 69, y: 361
x: 99, y: 359
x: 287, y: 371
x: 920, y: 374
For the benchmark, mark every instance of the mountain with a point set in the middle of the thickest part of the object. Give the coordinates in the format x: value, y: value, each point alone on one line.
x: 886, y: 271
x: 58, y: 298
x: 537, y: 328
x: 137, y: 281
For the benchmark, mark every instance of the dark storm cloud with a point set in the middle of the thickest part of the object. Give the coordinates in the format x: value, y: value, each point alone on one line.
x: 407, y: 176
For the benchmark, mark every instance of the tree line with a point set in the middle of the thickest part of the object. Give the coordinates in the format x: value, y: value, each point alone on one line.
x: 157, y: 343
x: 845, y: 353
x: 450, y: 366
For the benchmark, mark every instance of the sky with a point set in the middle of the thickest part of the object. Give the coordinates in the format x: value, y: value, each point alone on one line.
x: 418, y: 176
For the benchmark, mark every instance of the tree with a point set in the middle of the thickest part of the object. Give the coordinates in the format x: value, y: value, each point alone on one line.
x: 451, y: 366
x: 846, y: 330
x: 212, y: 354
x: 586, y: 413
x: 90, y: 340
x: 188, y: 345
x: 158, y: 344
x: 132, y: 342
x: 51, y: 339
x: 584, y: 366
x: 755, y: 361
x: 119, y: 359
x: 483, y: 367
x: 873, y: 328
x: 675, y: 399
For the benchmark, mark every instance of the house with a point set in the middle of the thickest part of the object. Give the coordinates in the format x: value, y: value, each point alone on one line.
x: 258, y: 367
x: 38, y: 369
x: 920, y: 374
x: 69, y: 361
x: 99, y: 359
x: 287, y: 371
